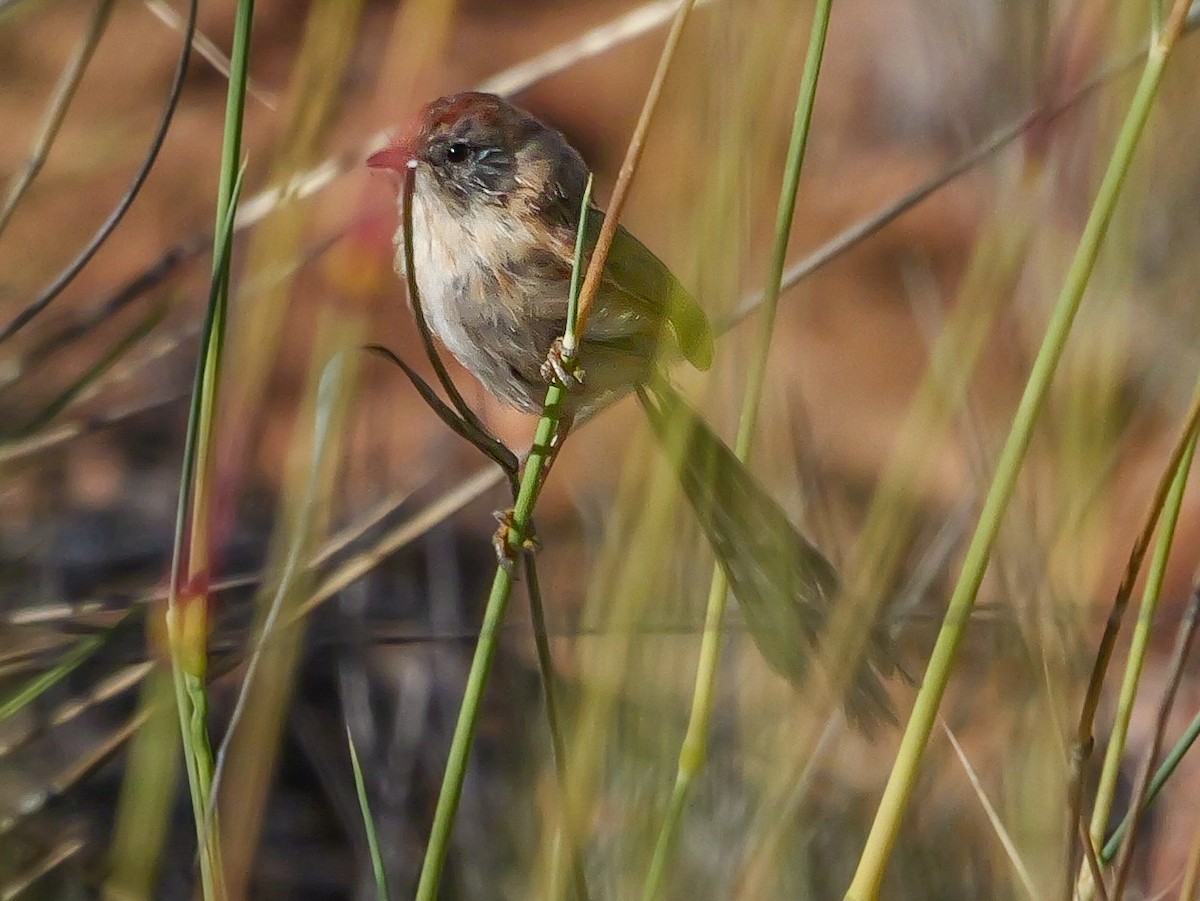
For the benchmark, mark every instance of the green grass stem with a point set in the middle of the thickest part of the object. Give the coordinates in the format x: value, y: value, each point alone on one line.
x: 1161, y: 776
x: 1139, y: 648
x: 360, y: 789
x: 694, y: 749
x: 902, y: 781
x: 540, y: 455
x: 187, y: 619
x: 485, y: 652
x: 532, y: 477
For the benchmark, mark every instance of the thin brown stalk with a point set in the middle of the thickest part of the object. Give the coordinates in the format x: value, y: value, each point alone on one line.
x: 102, y: 234
x: 1190, y: 889
x: 207, y: 50
x: 1093, y: 863
x: 1085, y: 740
x: 56, y: 111
x: 1183, y: 644
x: 633, y: 155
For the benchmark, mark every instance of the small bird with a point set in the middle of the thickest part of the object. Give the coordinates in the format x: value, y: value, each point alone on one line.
x: 496, y: 201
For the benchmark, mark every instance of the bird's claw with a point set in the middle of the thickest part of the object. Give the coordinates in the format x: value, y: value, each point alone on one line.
x: 506, y: 555
x: 561, y: 369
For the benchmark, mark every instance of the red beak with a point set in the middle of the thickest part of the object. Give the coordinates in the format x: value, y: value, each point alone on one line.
x: 395, y: 157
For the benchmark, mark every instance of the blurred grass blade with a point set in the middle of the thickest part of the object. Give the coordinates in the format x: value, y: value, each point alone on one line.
x: 56, y: 111
x: 893, y: 805
x: 316, y: 85
x: 248, y: 752
x: 1106, y: 791
x: 67, y: 663
x: 360, y: 789
x: 147, y: 795
x: 91, y: 376
x: 791, y: 613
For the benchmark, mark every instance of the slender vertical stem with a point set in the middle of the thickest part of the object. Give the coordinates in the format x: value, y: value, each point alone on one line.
x: 694, y: 750
x: 1110, y: 773
x: 540, y: 456
x: 187, y: 603
x: 536, y: 466
x: 1175, y: 669
x: 60, y: 101
x: 637, y: 143
x: 894, y: 803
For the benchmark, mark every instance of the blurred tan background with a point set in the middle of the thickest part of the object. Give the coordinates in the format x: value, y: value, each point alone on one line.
x: 906, y: 89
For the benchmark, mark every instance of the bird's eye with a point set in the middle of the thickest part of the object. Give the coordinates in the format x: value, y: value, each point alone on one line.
x: 458, y: 152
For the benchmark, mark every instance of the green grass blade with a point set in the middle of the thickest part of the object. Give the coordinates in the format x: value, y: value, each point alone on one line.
x: 1161, y: 776
x: 1139, y: 648
x: 694, y: 750
x: 92, y: 375
x: 360, y: 788
x: 901, y: 783
x: 187, y: 621
x: 40, y: 684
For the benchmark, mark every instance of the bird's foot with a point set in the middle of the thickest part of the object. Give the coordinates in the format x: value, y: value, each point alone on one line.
x: 561, y: 369
x: 502, y: 542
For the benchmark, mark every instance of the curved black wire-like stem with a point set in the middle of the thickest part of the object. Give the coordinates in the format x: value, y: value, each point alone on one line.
x: 486, y: 443
x: 114, y: 302
x: 90, y: 377
x: 73, y: 269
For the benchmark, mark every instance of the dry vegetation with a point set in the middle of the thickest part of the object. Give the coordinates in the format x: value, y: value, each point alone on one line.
x: 883, y: 457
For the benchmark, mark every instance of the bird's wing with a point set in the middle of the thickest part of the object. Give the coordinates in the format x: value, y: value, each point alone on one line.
x: 649, y: 288
x: 784, y: 585
x: 637, y: 272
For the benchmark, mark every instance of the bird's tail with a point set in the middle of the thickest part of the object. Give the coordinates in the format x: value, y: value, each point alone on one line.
x: 784, y: 585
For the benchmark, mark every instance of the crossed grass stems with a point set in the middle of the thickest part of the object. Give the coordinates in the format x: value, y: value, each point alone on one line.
x: 464, y: 423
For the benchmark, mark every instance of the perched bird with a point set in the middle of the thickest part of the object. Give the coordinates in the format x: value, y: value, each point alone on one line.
x: 496, y: 201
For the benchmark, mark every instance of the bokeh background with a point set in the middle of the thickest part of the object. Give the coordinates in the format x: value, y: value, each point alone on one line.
x: 94, y: 397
